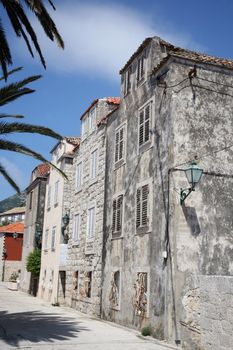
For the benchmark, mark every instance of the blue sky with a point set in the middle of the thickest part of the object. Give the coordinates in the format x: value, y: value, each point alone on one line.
x: 99, y: 37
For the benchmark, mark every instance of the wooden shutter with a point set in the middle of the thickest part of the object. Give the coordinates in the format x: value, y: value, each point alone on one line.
x: 117, y: 146
x: 138, y: 208
x: 121, y: 143
x: 114, y: 211
x: 141, y: 127
x: 119, y: 213
x: 147, y: 123
x: 145, y: 193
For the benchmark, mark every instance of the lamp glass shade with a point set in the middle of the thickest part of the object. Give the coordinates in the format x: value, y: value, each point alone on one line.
x: 193, y: 174
x: 65, y: 219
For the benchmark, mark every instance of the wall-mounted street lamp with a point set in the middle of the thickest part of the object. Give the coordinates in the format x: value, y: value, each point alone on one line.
x: 193, y: 174
x: 65, y: 221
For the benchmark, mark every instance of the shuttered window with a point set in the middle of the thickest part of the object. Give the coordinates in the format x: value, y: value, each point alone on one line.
x: 117, y: 215
x: 56, y: 191
x: 76, y: 227
x: 140, y: 68
x: 78, y: 183
x: 53, y: 238
x: 127, y: 81
x: 142, y: 206
x: 120, y: 144
x: 49, y: 197
x: 93, y: 165
x: 144, y: 124
x: 90, y: 222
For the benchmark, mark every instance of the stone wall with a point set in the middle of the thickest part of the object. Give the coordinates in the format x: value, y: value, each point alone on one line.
x: 85, y: 255
x: 10, y: 267
x: 216, y: 306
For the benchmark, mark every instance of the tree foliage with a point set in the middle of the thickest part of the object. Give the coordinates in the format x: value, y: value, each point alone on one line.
x: 33, y: 262
x: 16, y: 12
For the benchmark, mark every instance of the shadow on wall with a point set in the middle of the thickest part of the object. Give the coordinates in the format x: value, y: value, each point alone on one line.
x: 192, y: 220
x: 36, y: 327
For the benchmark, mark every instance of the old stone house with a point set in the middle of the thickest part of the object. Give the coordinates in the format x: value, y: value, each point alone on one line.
x: 84, y: 257
x: 53, y: 256
x: 33, y: 225
x: 165, y: 264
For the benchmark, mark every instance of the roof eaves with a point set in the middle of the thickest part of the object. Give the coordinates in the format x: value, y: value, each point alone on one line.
x: 136, y: 53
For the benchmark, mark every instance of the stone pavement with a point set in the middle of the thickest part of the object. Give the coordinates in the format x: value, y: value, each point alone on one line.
x: 29, y: 323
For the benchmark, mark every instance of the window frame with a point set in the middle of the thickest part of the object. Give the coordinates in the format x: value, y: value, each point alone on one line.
x: 49, y: 195
x: 46, y: 239
x: 76, y: 228
x: 120, y: 161
x: 53, y: 238
x: 118, y: 233
x: 93, y: 179
x: 147, y: 227
x: 56, y: 191
x: 91, y: 207
x: 127, y: 81
x: 78, y: 188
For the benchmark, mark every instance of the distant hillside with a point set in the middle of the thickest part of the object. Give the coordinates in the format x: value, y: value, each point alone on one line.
x: 18, y: 200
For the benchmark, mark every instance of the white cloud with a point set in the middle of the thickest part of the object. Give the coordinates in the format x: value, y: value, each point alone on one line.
x: 99, y: 39
x: 14, y: 172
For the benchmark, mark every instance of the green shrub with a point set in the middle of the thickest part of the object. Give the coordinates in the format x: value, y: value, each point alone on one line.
x: 33, y: 262
x: 147, y: 330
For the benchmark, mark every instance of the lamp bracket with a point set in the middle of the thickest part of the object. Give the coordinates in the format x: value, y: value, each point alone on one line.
x: 185, y: 192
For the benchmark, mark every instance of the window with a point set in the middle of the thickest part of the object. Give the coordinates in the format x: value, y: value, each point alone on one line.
x: 140, y: 299
x: 93, y: 165
x: 56, y: 192
x: 87, y: 281
x: 78, y: 176
x: 84, y: 127
x: 53, y: 238
x: 90, y: 222
x: 117, y: 216
x: 140, y: 68
x: 92, y: 119
x: 30, y: 200
x: 76, y: 282
x: 114, y: 295
x: 49, y: 198
x: 120, y: 144
x: 46, y: 239
x: 144, y: 124
x: 127, y: 81
x: 142, y: 207
x: 76, y: 227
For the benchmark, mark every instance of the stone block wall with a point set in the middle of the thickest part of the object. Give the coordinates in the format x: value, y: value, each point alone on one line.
x: 216, y: 316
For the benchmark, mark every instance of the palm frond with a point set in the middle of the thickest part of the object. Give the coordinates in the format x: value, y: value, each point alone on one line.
x: 17, y: 116
x: 12, y: 71
x: 8, y: 128
x: 15, y: 90
x: 45, y: 20
x: 9, y: 179
x: 7, y: 145
x: 5, y: 54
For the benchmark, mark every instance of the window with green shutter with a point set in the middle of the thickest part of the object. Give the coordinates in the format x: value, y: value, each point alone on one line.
x: 117, y: 209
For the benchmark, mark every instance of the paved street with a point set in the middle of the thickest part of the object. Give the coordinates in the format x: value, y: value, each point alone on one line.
x: 29, y: 323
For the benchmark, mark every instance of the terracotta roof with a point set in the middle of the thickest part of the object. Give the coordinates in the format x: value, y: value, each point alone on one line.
x: 111, y: 100
x: 173, y: 50
x: 14, y: 227
x: 114, y: 100
x: 17, y: 210
x: 73, y: 140
x: 43, y: 169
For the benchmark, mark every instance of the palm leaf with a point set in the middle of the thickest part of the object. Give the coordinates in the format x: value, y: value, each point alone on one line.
x: 5, y: 54
x: 12, y: 71
x: 4, y: 173
x: 15, y: 90
x: 17, y: 116
x: 8, y: 128
x: 16, y: 147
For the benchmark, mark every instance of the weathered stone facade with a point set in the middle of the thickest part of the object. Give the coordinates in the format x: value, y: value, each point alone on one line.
x: 159, y: 266
x: 33, y: 225
x: 50, y: 286
x: 84, y: 272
